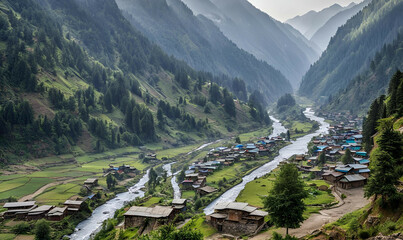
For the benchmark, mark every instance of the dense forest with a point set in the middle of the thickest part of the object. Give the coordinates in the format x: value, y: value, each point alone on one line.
x: 352, y: 48
x: 201, y: 44
x: 385, y: 106
x: 373, y: 82
x: 68, y: 78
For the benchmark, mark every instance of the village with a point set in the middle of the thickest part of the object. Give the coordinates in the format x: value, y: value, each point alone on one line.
x: 338, y: 158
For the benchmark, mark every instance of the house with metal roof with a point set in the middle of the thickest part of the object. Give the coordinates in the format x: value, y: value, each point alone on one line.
x: 237, y: 218
x: 352, y: 181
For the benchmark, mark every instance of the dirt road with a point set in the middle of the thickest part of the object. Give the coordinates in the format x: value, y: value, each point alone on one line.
x: 355, y: 200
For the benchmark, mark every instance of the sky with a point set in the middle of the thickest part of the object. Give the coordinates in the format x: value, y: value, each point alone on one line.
x: 286, y: 9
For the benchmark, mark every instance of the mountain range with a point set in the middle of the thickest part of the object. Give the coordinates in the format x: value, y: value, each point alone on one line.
x: 198, y: 42
x: 353, y: 47
x: 254, y: 31
x: 309, y: 23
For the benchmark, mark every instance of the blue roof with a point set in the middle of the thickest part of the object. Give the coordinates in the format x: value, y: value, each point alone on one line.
x: 91, y: 196
x: 321, y: 147
x: 343, y: 169
x: 364, y: 170
x: 239, y: 146
x: 363, y: 161
x: 361, y: 153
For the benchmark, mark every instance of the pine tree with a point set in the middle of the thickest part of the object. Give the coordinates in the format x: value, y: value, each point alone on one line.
x: 285, y: 201
x: 347, y: 158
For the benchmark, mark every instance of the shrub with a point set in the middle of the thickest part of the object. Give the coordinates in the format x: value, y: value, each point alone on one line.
x: 363, y: 234
x: 21, y: 228
x: 343, y: 196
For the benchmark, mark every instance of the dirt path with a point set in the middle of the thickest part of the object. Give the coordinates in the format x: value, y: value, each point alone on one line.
x: 355, y: 200
x: 42, y: 189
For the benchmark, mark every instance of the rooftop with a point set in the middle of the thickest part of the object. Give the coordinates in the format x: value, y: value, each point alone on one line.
x: 155, y: 212
x: 19, y: 204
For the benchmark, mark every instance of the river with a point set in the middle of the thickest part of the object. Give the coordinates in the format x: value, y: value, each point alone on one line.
x: 93, y: 224
x: 296, y: 147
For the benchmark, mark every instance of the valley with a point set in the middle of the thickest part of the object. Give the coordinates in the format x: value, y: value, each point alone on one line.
x: 191, y: 120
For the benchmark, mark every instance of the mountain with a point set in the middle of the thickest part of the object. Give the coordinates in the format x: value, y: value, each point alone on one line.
x: 370, y: 84
x: 197, y: 41
x: 76, y: 77
x: 322, y: 36
x: 311, y: 21
x: 259, y: 34
x: 352, y: 48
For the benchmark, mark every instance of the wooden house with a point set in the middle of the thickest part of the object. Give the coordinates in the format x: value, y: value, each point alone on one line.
x: 91, y: 182
x: 179, y: 205
x: 18, y: 209
x: 39, y: 212
x: 206, y: 190
x: 237, y: 218
x: 73, y: 206
x: 351, y: 181
x: 57, y: 214
x: 332, y: 176
x: 153, y: 217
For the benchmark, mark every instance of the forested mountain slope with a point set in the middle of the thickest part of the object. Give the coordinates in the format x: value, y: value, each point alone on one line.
x: 256, y: 32
x: 197, y: 41
x: 351, y: 49
x: 311, y: 21
x: 122, y: 90
x: 323, y: 35
x: 373, y: 82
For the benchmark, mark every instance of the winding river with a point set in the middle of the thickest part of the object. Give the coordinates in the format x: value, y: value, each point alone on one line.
x: 296, y: 147
x: 92, y: 225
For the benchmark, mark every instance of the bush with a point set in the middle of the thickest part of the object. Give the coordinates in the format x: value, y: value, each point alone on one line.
x: 343, y: 196
x: 21, y: 228
x: 363, y: 234
x: 42, y: 230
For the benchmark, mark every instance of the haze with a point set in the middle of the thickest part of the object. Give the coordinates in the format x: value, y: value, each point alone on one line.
x: 286, y: 9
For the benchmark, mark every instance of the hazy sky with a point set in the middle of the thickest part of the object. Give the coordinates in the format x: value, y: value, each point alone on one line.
x: 285, y: 9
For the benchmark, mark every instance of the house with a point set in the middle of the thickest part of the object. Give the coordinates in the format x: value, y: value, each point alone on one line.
x: 57, y: 214
x: 206, y: 190
x: 39, y: 212
x: 19, y: 209
x: 179, y: 205
x: 332, y: 176
x: 73, y: 206
x: 300, y: 157
x: 151, y: 217
x: 351, y: 181
x: 237, y: 218
x: 91, y: 182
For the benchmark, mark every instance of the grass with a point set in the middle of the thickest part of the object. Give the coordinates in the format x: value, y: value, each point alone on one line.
x: 58, y: 194
x: 188, y: 194
x: 151, y: 202
x: 245, y: 137
x: 200, y: 224
x: 14, y: 183
x: 231, y: 172
x: 7, y: 236
x: 256, y: 189
x: 31, y: 186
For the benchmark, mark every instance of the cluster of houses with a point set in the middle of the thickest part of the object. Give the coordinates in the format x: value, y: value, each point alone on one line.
x: 29, y: 210
x: 341, y: 137
x: 196, y: 175
x: 127, y: 169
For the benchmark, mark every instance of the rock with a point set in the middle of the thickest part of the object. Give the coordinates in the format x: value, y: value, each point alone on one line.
x: 323, y: 188
x: 372, y: 221
x: 380, y: 236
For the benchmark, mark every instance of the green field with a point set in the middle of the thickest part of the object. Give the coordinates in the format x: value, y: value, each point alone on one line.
x: 58, y: 194
x: 200, y: 224
x: 29, y: 187
x: 7, y: 236
x: 258, y: 188
x: 188, y: 194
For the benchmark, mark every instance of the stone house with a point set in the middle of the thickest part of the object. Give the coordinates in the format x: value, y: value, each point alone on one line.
x: 237, y: 218
x: 148, y: 219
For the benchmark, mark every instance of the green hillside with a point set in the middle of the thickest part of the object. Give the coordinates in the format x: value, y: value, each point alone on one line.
x: 373, y: 82
x: 352, y: 48
x: 76, y: 77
